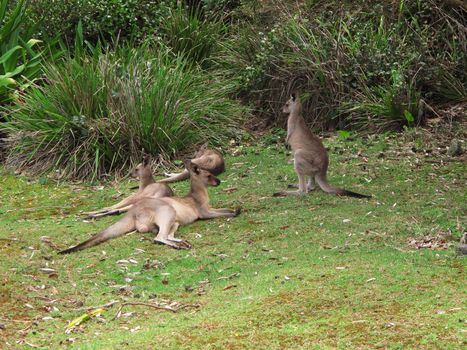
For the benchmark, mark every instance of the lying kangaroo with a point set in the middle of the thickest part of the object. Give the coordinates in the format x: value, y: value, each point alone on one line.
x: 166, y: 213
x: 205, y: 158
x: 148, y: 188
x: 310, y: 156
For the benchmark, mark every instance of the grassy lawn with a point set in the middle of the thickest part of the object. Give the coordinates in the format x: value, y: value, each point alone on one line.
x: 315, y: 272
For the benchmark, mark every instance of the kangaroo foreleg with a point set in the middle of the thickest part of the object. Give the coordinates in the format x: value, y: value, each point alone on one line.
x: 176, y: 177
x: 218, y: 213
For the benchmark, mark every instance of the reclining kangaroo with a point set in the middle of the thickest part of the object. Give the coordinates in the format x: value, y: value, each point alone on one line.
x: 205, y: 158
x: 148, y: 188
x: 166, y: 213
x: 310, y: 156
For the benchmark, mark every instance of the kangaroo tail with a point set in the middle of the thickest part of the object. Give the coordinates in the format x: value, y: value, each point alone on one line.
x: 178, y: 177
x: 326, y: 187
x: 120, y: 228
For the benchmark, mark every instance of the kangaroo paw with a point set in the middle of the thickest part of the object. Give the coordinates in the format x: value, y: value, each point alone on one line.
x: 167, y: 242
x: 237, y: 211
x: 184, y: 245
x: 279, y: 194
x: 289, y: 193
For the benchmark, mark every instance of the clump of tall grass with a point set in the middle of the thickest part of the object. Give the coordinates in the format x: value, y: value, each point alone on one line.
x: 189, y: 33
x: 100, y: 112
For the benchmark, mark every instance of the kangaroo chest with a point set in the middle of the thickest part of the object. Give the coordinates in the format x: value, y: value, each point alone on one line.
x: 186, y: 212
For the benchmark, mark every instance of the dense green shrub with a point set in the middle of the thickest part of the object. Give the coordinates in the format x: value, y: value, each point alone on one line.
x: 101, y: 18
x: 186, y: 28
x: 370, y: 66
x: 101, y: 112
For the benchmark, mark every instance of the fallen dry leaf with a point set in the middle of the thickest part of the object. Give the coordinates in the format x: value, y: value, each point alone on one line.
x: 255, y: 222
x: 230, y: 286
x: 439, y: 241
x: 230, y: 189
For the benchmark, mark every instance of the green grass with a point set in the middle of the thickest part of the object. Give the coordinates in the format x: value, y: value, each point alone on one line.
x: 306, y: 279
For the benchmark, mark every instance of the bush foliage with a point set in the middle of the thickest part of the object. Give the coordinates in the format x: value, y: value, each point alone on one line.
x: 101, y: 112
x: 368, y: 66
x: 372, y: 66
x: 101, y: 18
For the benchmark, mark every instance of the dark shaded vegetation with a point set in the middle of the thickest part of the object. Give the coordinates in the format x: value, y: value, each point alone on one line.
x: 120, y: 79
x: 367, y: 65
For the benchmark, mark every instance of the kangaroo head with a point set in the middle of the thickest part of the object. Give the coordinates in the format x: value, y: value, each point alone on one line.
x: 142, y: 170
x: 201, y: 175
x: 293, y: 105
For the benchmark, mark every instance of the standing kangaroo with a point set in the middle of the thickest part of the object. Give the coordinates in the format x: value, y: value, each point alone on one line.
x: 205, y: 158
x: 166, y: 214
x: 148, y: 188
x: 310, y: 156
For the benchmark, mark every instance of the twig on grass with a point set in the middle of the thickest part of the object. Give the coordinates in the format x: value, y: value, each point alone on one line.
x: 155, y: 306
x: 236, y: 274
x: 12, y: 239
x: 105, y: 306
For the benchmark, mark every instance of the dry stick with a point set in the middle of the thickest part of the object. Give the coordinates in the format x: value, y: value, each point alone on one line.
x: 24, y: 331
x: 229, y: 277
x: 12, y: 239
x: 155, y: 306
x: 105, y: 306
x: 42, y: 207
x: 17, y: 321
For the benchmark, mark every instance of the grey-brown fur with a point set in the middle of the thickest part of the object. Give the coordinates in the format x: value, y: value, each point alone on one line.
x: 148, y: 188
x: 165, y: 215
x: 208, y: 159
x: 310, y: 157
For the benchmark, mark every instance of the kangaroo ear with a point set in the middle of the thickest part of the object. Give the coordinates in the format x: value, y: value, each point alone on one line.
x: 146, y: 160
x: 192, y: 167
x: 293, y: 96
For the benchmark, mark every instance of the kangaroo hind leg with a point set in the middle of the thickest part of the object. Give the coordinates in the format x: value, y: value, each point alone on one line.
x: 302, y: 188
x: 165, y: 219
